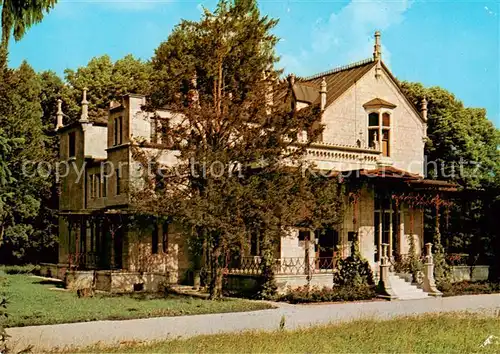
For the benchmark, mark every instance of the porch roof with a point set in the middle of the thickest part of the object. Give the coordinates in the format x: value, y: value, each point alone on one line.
x: 411, y: 180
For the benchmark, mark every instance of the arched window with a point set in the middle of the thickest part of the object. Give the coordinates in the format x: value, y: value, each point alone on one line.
x: 379, y: 131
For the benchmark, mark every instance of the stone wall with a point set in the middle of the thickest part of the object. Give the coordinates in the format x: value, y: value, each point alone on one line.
x: 467, y: 273
x: 171, y: 258
x: 115, y: 281
x: 249, y: 283
x: 51, y: 270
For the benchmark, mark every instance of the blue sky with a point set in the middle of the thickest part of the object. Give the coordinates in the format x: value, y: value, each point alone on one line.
x: 453, y: 44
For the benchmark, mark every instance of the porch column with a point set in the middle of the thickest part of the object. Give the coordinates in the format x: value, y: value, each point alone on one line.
x: 390, y: 231
x: 429, y: 284
x: 380, y: 241
x: 401, y: 229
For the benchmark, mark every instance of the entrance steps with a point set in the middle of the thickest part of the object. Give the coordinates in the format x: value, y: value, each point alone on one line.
x: 403, y: 289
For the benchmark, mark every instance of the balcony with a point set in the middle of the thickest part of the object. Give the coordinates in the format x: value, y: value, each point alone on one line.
x: 342, y: 157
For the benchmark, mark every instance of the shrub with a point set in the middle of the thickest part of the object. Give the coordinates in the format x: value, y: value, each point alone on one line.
x: 469, y: 288
x: 267, y: 282
x: 353, y: 271
x: 3, y: 333
x: 326, y: 294
x: 18, y: 269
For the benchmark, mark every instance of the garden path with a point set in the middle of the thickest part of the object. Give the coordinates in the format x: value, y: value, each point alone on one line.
x: 112, y: 332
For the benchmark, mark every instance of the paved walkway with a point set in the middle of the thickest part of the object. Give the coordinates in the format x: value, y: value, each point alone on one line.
x: 112, y: 332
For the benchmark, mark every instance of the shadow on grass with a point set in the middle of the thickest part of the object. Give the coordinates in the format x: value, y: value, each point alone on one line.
x: 54, y: 283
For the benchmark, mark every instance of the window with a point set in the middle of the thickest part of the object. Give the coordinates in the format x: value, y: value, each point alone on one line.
x: 91, y: 187
x: 118, y: 131
x: 304, y: 235
x: 104, y: 186
x: 373, y: 119
x: 154, y: 130
x: 118, y: 181
x: 164, y: 242
x: 379, y: 132
x: 386, y: 119
x: 72, y: 144
x: 154, y: 239
x: 159, y: 131
x: 164, y: 132
x: 254, y: 244
x: 98, y: 185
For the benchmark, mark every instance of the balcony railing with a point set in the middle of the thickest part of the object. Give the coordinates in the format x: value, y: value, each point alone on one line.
x: 284, y: 266
x: 83, y: 261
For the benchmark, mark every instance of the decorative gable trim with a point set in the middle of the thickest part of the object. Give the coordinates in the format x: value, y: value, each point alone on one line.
x: 379, y: 103
x: 398, y: 86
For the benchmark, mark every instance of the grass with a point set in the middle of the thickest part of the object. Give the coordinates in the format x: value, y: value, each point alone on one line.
x: 452, y: 333
x: 31, y: 301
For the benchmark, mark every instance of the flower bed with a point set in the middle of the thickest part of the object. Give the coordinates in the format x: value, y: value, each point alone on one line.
x: 328, y: 294
x: 469, y: 288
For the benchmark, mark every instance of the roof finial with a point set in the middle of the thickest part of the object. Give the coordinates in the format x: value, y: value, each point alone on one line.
x: 323, y: 92
x: 377, y: 53
x: 423, y: 108
x: 84, y: 118
x: 59, y: 115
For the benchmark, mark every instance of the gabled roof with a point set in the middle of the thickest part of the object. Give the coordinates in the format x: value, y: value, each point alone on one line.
x: 340, y: 79
x: 378, y: 102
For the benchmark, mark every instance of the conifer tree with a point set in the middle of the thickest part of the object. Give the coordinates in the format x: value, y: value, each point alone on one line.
x: 234, y: 131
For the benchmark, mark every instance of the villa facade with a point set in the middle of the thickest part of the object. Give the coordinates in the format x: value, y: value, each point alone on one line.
x: 371, y: 132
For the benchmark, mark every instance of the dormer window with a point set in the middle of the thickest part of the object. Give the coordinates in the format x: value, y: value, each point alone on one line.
x: 379, y: 125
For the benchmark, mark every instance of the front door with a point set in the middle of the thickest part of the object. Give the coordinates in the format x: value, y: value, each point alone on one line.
x: 386, y: 220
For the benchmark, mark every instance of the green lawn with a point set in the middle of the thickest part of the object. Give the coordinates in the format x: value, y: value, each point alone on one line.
x: 32, y: 302
x: 456, y: 333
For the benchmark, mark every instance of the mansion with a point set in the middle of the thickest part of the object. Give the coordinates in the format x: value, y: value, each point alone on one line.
x: 371, y: 130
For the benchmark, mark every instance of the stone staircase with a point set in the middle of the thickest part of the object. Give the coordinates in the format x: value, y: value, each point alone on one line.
x: 403, y: 289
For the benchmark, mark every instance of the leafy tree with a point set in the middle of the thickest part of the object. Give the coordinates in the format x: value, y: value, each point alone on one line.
x: 106, y: 81
x: 19, y: 16
x: 232, y: 128
x: 463, y: 147
x: 21, y: 124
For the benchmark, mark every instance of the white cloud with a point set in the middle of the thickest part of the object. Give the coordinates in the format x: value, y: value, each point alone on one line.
x: 126, y: 5
x: 489, y: 11
x: 347, y: 35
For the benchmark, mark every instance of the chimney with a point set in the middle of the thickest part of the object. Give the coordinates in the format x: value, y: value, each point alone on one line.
x: 377, y: 53
x: 423, y: 108
x: 322, y: 93
x: 84, y: 118
x: 291, y: 80
x: 59, y: 115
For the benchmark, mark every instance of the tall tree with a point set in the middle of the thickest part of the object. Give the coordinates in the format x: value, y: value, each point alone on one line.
x: 233, y: 129
x: 106, y: 80
x: 20, y: 117
x: 19, y: 16
x: 463, y: 147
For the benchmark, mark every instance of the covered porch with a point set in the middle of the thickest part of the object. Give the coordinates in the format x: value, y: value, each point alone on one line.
x: 387, y: 209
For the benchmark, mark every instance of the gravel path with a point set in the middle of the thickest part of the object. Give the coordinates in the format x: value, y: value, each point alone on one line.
x: 112, y: 332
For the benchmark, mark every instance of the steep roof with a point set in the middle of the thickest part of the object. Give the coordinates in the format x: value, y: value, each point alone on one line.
x: 340, y: 79
x: 305, y: 93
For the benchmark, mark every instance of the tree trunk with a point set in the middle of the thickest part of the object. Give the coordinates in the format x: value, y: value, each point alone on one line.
x: 216, y: 273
